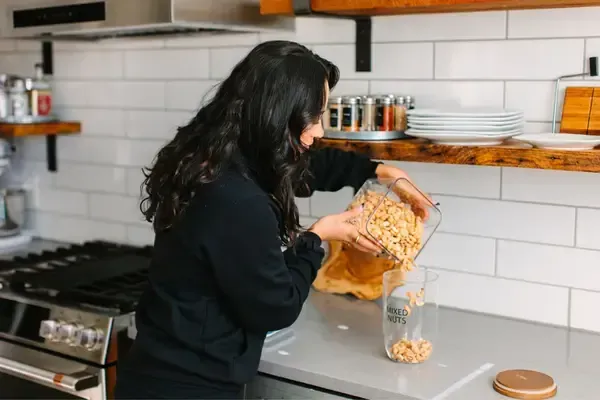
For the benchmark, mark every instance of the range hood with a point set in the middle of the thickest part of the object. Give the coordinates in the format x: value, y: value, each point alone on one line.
x: 105, y: 19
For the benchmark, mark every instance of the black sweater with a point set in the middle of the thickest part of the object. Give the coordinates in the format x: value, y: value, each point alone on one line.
x: 219, y: 281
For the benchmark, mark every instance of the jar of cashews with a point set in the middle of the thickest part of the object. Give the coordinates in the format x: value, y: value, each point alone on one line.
x: 410, y: 314
x: 398, y: 216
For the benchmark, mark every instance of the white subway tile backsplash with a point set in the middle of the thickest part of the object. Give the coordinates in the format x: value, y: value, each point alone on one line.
x: 150, y: 124
x: 222, y: 60
x: 303, y: 204
x: 306, y: 222
x: 537, y: 98
x: 135, y: 177
x: 167, y: 64
x: 458, y: 180
x: 316, y: 30
x: 7, y: 45
x: 584, y: 310
x: 554, y: 265
x: 552, y: 187
x: 96, y: 121
x: 433, y: 94
x: 77, y: 229
x: 189, y: 95
x: 88, y: 64
x: 515, y: 299
x: 140, y: 95
x: 451, y: 26
x: 115, y: 208
x: 19, y: 63
x: 61, y: 201
x: 588, y: 221
x: 508, y: 220
x: 459, y: 253
x: 91, y: 178
x: 560, y: 22
x: 349, y: 88
x: 533, y: 59
x: 389, y: 60
x: 70, y: 94
x: 326, y: 203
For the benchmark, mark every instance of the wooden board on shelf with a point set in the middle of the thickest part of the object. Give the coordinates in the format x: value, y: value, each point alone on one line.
x: 392, y: 7
x: 50, y: 128
x: 513, y: 155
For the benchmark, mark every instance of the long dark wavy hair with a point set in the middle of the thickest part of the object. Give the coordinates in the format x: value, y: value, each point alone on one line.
x: 254, y: 120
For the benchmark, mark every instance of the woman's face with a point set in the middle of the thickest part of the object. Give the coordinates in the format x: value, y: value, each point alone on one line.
x: 307, y: 138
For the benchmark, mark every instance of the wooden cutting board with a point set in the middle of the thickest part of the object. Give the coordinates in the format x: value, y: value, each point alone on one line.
x: 581, y: 111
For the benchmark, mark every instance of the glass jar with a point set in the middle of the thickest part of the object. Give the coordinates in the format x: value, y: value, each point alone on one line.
x: 332, y: 118
x: 368, y: 114
x: 398, y: 216
x: 410, y: 314
x: 400, y: 114
x: 351, y: 117
x: 385, y: 113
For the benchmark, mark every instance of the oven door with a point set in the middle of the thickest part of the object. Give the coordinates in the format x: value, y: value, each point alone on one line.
x: 27, y: 373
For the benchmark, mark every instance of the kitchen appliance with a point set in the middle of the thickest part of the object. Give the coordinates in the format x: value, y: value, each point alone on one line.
x: 64, y: 317
x: 103, y: 19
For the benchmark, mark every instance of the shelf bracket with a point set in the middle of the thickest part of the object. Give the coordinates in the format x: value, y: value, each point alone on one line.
x: 363, y: 40
x: 48, y: 63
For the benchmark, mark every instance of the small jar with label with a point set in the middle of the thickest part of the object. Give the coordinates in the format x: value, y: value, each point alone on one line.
x: 384, y: 118
x: 400, y: 114
x: 18, y: 100
x: 410, y: 102
x: 332, y: 118
x: 351, y: 115
x: 369, y: 110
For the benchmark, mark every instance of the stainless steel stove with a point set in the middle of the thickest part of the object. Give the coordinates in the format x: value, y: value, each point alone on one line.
x: 64, y: 316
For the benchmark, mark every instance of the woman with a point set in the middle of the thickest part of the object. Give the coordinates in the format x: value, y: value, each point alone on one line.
x: 220, y: 196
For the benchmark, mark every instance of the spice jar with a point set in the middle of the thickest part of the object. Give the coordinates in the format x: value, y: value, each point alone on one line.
x: 3, y: 96
x: 18, y: 100
x: 40, y: 94
x: 351, y: 117
x: 410, y: 314
x: 384, y: 118
x: 400, y: 114
x: 332, y: 119
x: 410, y: 102
x: 368, y: 114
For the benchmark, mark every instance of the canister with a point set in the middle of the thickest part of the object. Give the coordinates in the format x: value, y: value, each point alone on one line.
x: 333, y: 116
x: 18, y: 99
x: 368, y: 114
x: 384, y: 119
x: 351, y: 118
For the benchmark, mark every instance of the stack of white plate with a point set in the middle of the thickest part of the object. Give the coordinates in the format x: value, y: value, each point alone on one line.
x: 465, y: 127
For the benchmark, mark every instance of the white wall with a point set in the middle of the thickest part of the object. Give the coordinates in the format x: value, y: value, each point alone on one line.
x: 516, y: 242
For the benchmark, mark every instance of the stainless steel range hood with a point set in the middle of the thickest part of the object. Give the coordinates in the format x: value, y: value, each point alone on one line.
x: 105, y: 19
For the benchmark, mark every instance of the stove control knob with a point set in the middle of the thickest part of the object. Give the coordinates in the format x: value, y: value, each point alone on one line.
x: 49, y: 329
x: 67, y: 333
x: 90, y: 338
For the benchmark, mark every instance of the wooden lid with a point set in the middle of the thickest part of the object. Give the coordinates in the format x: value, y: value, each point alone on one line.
x: 525, y: 384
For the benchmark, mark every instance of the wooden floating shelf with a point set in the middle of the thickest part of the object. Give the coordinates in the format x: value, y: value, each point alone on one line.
x: 43, y: 129
x: 509, y: 155
x: 395, y: 7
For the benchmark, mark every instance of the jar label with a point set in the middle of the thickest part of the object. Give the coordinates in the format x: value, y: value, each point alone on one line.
x: 396, y: 315
x: 44, y: 103
x: 334, y: 116
x: 379, y: 117
x: 347, y: 116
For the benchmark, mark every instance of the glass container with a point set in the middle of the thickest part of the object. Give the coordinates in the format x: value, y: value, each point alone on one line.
x: 398, y: 216
x: 410, y: 314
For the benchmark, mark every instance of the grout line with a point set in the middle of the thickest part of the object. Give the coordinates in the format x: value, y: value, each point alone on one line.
x: 501, y: 182
x: 575, y: 228
x: 569, y: 301
x: 433, y: 59
x: 496, y: 246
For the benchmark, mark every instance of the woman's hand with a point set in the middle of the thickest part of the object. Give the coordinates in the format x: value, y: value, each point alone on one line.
x: 340, y: 227
x: 390, y: 174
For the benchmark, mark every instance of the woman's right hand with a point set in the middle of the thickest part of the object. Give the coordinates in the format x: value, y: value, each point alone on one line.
x: 339, y: 227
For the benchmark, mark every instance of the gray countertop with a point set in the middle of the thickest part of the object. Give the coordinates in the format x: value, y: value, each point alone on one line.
x: 337, y: 344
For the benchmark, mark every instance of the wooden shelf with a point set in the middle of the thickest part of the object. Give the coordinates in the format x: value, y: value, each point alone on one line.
x: 510, y: 155
x: 51, y: 128
x: 394, y: 7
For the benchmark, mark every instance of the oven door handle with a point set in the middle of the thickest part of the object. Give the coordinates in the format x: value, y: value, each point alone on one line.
x: 74, y: 382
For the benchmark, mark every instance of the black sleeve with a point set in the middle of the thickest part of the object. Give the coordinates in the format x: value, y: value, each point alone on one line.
x: 265, y: 287
x: 333, y: 169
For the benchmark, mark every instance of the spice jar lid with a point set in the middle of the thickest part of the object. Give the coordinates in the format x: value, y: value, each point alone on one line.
x: 385, y: 100
x: 400, y: 100
x: 335, y: 100
x: 525, y: 384
x: 368, y: 100
x: 351, y: 100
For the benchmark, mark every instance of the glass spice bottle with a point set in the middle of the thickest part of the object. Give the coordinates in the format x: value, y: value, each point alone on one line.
x: 400, y: 114
x: 332, y: 119
x: 351, y: 114
x: 385, y: 114
x: 368, y: 114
